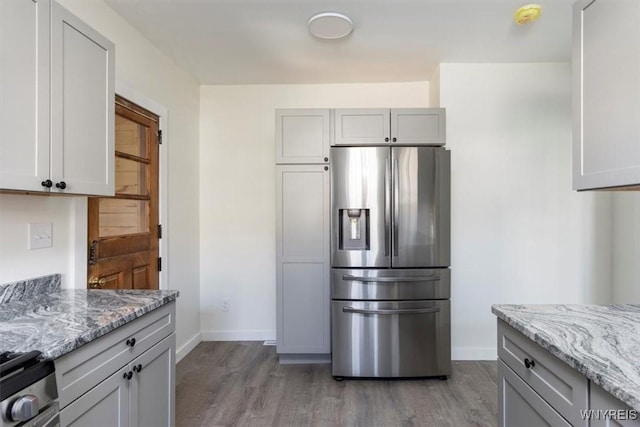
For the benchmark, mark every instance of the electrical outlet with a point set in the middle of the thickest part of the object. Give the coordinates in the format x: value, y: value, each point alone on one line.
x: 226, y: 304
x: 40, y: 235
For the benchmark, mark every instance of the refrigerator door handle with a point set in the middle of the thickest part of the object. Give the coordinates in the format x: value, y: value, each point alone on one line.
x: 391, y: 279
x: 387, y: 206
x: 388, y: 312
x: 396, y: 209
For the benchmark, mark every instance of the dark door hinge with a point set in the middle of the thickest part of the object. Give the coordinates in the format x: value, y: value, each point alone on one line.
x: 160, y: 136
x: 160, y: 264
x: 159, y: 231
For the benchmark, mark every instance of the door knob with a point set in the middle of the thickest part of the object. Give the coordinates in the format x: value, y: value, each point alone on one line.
x: 95, y: 283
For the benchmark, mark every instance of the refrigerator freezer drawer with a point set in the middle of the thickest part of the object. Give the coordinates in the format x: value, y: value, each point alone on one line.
x: 390, y: 339
x: 384, y: 284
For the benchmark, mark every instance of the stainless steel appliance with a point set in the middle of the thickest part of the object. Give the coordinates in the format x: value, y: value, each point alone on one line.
x: 390, y: 284
x: 28, y: 392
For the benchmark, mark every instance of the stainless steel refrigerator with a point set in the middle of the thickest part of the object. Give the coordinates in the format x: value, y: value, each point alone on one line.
x: 390, y: 253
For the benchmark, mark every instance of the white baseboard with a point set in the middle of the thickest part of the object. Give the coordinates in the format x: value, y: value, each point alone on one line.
x: 474, y: 353
x: 239, y: 335
x: 188, y: 346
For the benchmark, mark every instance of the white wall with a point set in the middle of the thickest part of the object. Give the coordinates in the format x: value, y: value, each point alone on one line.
x: 519, y: 233
x: 626, y: 247
x: 150, y: 74
x: 237, y: 192
x: 16, y: 261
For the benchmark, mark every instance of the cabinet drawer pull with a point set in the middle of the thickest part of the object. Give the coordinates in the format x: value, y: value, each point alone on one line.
x: 47, y: 183
x: 61, y: 185
x: 137, y: 368
x: 131, y: 342
x: 127, y: 375
x: 529, y: 363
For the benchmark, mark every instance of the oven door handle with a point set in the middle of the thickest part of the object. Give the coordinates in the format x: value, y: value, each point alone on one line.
x: 391, y: 279
x: 392, y: 311
x: 50, y: 417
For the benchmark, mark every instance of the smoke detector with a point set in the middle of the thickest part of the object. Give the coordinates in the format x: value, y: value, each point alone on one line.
x: 330, y: 25
x: 527, y: 14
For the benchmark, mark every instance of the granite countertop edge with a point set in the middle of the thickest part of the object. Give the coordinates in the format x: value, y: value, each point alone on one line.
x: 593, y: 375
x: 56, y: 321
x: 78, y: 341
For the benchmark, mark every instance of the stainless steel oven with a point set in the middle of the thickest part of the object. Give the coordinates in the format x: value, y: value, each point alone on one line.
x: 28, y: 391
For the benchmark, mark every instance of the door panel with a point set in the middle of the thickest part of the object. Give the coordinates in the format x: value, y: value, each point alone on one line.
x: 421, y: 207
x: 360, y: 215
x: 418, y: 126
x: 385, y: 284
x: 123, y: 230
x: 391, y: 339
x: 362, y: 126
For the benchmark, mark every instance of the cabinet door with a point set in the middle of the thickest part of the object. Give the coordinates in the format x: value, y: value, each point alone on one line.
x: 107, y: 404
x: 607, y: 411
x: 520, y: 406
x: 82, y: 90
x: 302, y: 259
x: 606, y: 75
x: 24, y: 94
x: 362, y: 126
x: 418, y: 126
x: 303, y: 136
x: 153, y: 386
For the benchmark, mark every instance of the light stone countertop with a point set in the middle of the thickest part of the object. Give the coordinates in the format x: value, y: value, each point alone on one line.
x: 38, y: 315
x: 602, y: 342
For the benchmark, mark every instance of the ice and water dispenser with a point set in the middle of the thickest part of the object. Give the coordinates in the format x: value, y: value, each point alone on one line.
x: 354, y: 229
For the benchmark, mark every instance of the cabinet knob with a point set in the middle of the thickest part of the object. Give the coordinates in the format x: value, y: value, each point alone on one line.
x: 529, y: 363
x: 394, y: 139
x: 137, y: 368
x: 47, y: 183
x: 127, y: 375
x: 131, y: 342
x: 61, y: 185
x: 326, y: 159
x: 326, y: 168
x: 386, y: 139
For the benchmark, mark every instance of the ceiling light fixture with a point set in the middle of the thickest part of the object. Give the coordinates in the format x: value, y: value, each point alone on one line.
x: 330, y: 25
x: 527, y: 14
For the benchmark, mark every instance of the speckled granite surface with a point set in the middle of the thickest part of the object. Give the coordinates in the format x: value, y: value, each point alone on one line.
x: 29, y: 288
x: 599, y: 341
x: 58, y: 322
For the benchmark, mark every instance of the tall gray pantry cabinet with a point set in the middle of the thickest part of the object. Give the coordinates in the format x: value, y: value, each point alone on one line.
x: 302, y: 235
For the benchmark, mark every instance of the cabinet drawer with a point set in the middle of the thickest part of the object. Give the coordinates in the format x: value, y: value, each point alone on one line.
x: 560, y: 385
x: 82, y: 369
x: 520, y: 406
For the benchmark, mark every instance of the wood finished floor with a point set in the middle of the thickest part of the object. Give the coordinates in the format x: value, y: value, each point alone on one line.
x: 242, y: 384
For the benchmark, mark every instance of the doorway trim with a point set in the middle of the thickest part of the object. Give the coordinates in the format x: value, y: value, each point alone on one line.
x: 80, y: 205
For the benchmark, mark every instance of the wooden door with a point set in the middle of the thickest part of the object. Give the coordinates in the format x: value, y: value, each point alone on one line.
x: 123, y: 230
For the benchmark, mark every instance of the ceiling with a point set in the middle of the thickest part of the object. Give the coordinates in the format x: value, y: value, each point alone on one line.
x: 267, y: 41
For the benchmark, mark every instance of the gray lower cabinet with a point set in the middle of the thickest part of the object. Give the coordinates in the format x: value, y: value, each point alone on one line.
x: 302, y: 263
x: 535, y: 388
x: 520, y: 406
x: 125, y: 378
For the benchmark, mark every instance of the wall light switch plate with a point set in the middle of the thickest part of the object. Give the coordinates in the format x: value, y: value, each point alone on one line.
x: 40, y: 235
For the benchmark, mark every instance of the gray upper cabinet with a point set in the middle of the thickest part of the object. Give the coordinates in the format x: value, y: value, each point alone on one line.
x: 303, y: 136
x: 24, y: 94
x: 362, y: 126
x: 606, y: 77
x: 57, y: 109
x: 302, y: 260
x: 401, y: 126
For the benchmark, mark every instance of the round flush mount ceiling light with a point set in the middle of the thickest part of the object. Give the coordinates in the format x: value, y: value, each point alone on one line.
x: 527, y: 14
x: 330, y: 25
